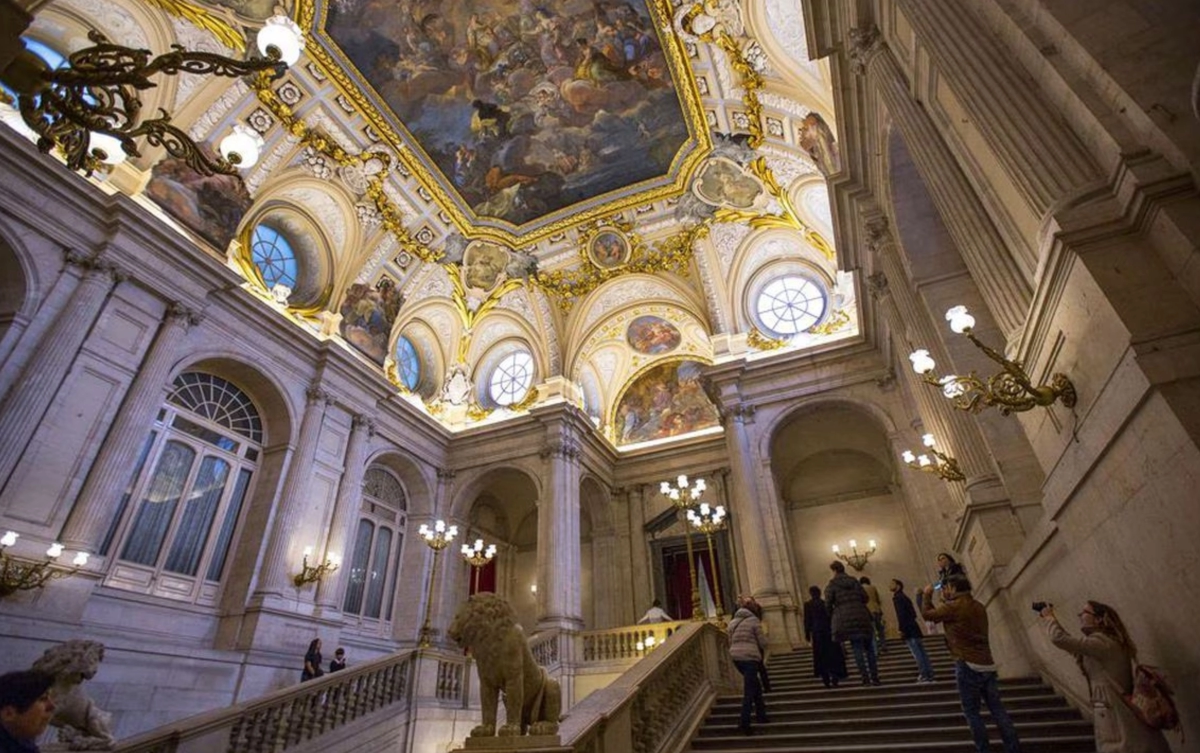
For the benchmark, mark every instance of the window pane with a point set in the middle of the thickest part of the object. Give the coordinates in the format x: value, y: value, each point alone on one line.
x: 219, y: 401
x: 407, y: 362
x: 378, y: 575
x: 199, y: 512
x: 358, y: 568
x: 512, y: 378
x: 273, y: 256
x: 124, y: 503
x: 216, y: 439
x: 789, y: 305
x: 158, y: 506
x: 391, y: 602
x: 217, y: 565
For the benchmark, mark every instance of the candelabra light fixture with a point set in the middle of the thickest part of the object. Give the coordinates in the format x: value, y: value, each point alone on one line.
x: 683, y: 495
x: 856, y: 559
x: 90, y: 109
x: 943, y: 466
x: 708, y: 521
x: 478, y: 556
x: 313, y: 573
x: 1010, y: 390
x: 438, y: 538
x: 21, y: 574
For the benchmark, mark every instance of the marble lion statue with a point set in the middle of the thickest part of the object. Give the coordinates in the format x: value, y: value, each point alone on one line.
x: 82, y: 725
x: 487, y: 625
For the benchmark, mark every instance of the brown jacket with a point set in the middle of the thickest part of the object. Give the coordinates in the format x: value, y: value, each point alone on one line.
x: 966, y: 624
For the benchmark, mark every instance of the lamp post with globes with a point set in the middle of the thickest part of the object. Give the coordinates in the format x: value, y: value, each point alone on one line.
x: 477, y: 557
x: 683, y: 495
x: 438, y: 538
x: 708, y: 521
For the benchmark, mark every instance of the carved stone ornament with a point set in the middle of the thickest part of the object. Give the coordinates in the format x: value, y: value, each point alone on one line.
x: 81, y: 724
x: 457, y: 390
x: 877, y: 234
x: 865, y: 43
x: 878, y: 285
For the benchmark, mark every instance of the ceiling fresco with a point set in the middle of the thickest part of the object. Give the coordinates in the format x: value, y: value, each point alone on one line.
x: 516, y: 114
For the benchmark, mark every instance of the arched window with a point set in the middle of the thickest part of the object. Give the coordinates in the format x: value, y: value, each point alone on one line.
x: 190, y: 485
x: 274, y: 257
x: 511, y: 378
x: 407, y: 362
x: 377, y: 546
x: 789, y: 305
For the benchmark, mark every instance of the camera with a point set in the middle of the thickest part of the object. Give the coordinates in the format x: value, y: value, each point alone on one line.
x: 1038, y: 606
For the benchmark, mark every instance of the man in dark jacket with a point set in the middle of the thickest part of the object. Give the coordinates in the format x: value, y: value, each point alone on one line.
x: 966, y: 623
x: 910, y: 630
x: 25, y: 710
x: 851, y: 621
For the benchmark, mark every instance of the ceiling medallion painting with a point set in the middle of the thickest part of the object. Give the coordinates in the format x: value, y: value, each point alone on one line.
x: 521, y: 119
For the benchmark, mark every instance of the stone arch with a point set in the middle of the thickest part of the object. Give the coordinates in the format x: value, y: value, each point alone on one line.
x: 418, y: 489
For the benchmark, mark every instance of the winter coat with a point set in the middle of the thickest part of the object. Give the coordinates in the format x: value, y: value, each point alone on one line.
x: 906, y: 616
x: 828, y: 659
x: 874, y: 606
x: 1109, y: 670
x: 848, y: 609
x: 746, y: 639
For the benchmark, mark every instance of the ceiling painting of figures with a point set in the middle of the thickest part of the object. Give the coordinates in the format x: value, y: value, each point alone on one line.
x: 667, y: 401
x: 522, y: 109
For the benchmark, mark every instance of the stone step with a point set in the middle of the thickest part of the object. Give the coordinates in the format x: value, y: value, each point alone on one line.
x: 931, y: 716
x: 859, y: 695
x: 784, y: 744
x: 944, y: 704
x: 950, y: 731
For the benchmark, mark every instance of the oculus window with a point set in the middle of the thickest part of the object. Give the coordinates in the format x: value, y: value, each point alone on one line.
x: 789, y: 305
x: 511, y: 378
x: 274, y: 257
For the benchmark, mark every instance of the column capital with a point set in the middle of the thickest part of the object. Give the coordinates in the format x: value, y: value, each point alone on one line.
x: 184, y: 316
x: 878, y: 233
x: 742, y: 413
x: 865, y: 44
x: 446, y: 475
x: 877, y: 285
x: 565, y: 447
x: 316, y: 394
x: 363, y: 422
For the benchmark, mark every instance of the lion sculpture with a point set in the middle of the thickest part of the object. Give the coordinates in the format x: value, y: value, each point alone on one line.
x: 487, y: 625
x: 82, y: 725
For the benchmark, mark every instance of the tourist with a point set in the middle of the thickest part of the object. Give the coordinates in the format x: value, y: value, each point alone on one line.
x: 910, y: 630
x: 1106, y: 655
x: 26, y: 708
x: 312, y: 661
x: 966, y: 623
x: 875, y: 607
x: 338, y: 661
x: 829, y: 663
x: 746, y: 646
x: 851, y: 621
x: 655, y: 614
x: 751, y: 603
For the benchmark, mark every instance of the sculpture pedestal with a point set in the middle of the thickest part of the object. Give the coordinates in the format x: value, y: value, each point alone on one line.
x: 525, y: 743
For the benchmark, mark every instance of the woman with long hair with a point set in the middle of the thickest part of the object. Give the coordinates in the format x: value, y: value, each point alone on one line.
x: 829, y: 663
x: 1106, y: 655
x: 312, y: 661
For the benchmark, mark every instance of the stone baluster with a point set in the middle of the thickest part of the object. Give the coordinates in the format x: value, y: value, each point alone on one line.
x: 346, y: 510
x: 33, y: 392
x: 558, y: 557
x: 1003, y: 283
x: 117, y: 459
x: 284, y: 549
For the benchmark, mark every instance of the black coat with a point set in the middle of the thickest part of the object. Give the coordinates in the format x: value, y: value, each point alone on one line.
x: 848, y: 609
x: 906, y: 616
x: 828, y: 658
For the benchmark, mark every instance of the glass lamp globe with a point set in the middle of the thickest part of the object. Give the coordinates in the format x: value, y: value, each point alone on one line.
x: 960, y: 320
x: 283, y: 34
x: 922, y: 363
x: 106, y: 148
x: 242, y: 147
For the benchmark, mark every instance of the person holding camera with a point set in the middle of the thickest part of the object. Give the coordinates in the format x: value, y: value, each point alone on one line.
x: 966, y: 623
x: 1106, y: 655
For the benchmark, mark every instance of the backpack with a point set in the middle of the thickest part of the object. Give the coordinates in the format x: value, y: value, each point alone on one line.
x: 1151, y: 699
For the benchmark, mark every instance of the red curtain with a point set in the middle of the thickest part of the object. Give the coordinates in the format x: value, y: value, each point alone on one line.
x: 487, y: 579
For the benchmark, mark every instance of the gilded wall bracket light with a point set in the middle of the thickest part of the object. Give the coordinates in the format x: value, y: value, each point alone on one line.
x: 21, y: 574
x: 90, y: 110
x: 856, y: 559
x: 1009, y: 391
x: 942, y: 465
x: 313, y: 573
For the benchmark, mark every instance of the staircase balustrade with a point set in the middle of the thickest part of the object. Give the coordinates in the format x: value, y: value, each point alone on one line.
x: 616, y: 644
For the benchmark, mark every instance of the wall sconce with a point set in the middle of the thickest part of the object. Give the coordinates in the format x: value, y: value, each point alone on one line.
x: 856, y: 559
x: 683, y: 494
x: 945, y: 468
x: 20, y: 574
x: 438, y: 538
x: 313, y: 573
x: 89, y: 109
x: 1010, y: 390
x: 477, y: 556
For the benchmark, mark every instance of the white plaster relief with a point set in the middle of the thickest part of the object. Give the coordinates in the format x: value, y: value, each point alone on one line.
x: 787, y: 165
x: 203, y: 126
x: 434, y: 283
x: 775, y: 101
x: 787, y: 27
x: 267, y: 165
x: 195, y: 39
x: 605, y: 363
x: 725, y: 238
x: 387, y: 246
x: 118, y: 24
x: 322, y: 206
x: 517, y: 301
x: 624, y: 293
x: 494, y: 330
x: 548, y: 330
x: 442, y: 323
x: 816, y: 201
x: 716, y: 311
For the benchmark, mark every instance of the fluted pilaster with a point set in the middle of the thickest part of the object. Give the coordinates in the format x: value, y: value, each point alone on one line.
x: 559, y: 562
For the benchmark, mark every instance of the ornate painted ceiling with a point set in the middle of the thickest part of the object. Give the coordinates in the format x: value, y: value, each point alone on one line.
x: 498, y: 203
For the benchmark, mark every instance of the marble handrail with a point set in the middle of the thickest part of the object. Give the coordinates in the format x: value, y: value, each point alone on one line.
x: 294, y: 715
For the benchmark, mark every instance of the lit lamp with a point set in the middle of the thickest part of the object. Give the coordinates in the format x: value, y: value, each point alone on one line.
x: 646, y: 644
x: 19, y: 574
x: 438, y: 538
x: 90, y: 109
x: 945, y: 468
x: 708, y: 521
x: 1009, y: 391
x: 477, y: 556
x: 313, y: 573
x: 682, y: 495
x: 856, y: 559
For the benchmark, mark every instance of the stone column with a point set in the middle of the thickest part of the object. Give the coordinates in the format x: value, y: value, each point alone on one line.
x: 346, y: 511
x: 559, y: 561
x: 641, y: 586
x: 117, y: 458
x: 1005, y: 287
x: 12, y: 336
x: 34, y: 390
x: 285, y: 548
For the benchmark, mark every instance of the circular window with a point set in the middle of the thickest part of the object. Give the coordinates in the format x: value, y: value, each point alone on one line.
x: 407, y: 363
x: 274, y: 257
x: 512, y: 378
x: 789, y: 305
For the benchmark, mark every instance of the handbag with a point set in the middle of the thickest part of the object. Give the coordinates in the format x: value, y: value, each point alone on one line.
x: 1151, y: 699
